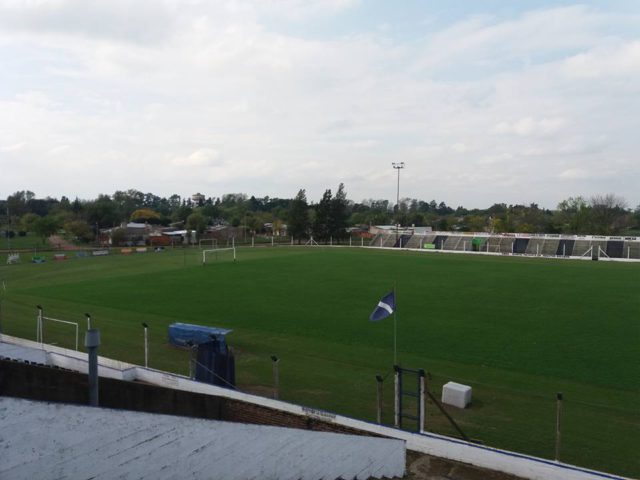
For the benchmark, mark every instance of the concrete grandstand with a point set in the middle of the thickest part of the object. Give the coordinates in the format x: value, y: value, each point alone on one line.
x: 525, y: 244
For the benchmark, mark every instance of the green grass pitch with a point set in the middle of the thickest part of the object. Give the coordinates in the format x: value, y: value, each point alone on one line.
x: 517, y: 330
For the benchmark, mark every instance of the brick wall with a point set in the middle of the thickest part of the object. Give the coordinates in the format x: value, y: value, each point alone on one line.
x: 39, y: 382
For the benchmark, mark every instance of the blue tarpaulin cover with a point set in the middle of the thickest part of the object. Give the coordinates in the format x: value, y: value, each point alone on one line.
x: 180, y: 334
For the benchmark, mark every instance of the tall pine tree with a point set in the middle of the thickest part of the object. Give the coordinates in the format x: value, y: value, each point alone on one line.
x: 299, y: 216
x: 321, y: 223
x: 339, y: 214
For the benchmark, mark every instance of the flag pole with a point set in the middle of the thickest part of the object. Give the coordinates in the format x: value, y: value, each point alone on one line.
x: 395, y: 326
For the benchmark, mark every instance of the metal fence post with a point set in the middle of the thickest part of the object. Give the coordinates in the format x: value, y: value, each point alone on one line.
x: 39, y: 325
x: 193, y: 348
x: 146, y: 344
x: 276, y: 377
x: 379, y: 380
x: 396, y: 419
x: 421, y: 421
x: 558, y: 424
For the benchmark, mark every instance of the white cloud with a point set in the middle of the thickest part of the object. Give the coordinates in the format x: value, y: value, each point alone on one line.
x: 529, y: 126
x: 59, y: 149
x: 215, y: 97
x: 621, y: 59
x: 575, y: 174
x: 203, y: 157
x: 12, y: 148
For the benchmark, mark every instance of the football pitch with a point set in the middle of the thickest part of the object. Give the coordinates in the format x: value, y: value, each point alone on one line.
x: 517, y: 330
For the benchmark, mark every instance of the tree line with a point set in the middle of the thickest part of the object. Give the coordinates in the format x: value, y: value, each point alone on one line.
x: 330, y: 217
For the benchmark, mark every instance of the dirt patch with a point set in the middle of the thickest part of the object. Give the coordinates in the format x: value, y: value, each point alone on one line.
x: 259, y: 390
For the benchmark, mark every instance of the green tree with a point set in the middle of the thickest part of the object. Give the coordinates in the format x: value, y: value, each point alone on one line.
x: 339, y: 214
x: 27, y: 221
x: 79, y: 230
x: 476, y: 223
x: 17, y: 203
x: 322, y: 218
x: 574, y: 213
x: 298, y: 225
x: 181, y: 213
x: 103, y: 212
x: 127, y: 202
x: 118, y: 236
x: 145, y: 215
x: 44, y: 227
x: 196, y: 221
x: 609, y: 215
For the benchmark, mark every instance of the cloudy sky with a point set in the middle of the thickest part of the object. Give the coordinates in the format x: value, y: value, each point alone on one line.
x: 484, y: 101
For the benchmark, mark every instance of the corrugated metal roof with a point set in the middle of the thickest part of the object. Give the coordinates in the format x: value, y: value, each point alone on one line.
x: 42, y: 440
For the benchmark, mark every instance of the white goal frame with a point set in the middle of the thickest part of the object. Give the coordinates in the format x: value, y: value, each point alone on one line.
x: 215, y: 251
x: 40, y: 327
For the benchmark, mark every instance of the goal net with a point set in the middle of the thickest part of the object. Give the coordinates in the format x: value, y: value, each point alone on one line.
x: 209, y: 243
x: 57, y: 332
x: 218, y: 255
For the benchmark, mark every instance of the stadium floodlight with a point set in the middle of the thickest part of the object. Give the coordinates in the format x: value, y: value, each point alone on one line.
x: 398, y: 166
x: 146, y: 345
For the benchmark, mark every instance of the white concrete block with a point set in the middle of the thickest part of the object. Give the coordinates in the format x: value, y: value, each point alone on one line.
x: 456, y: 394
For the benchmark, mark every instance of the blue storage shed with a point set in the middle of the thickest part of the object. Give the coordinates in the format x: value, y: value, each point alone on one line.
x: 181, y: 334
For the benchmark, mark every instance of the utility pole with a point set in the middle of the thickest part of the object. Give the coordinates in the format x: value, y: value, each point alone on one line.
x: 398, y: 166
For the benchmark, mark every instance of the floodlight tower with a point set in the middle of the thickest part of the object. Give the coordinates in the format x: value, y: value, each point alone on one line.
x: 398, y: 166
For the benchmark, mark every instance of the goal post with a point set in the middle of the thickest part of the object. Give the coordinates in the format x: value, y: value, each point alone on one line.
x: 218, y: 254
x: 56, y: 328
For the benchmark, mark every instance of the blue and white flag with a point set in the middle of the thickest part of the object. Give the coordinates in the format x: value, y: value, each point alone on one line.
x: 386, y: 306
